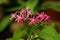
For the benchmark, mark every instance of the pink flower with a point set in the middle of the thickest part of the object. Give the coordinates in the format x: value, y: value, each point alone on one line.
x: 41, y: 16
x: 32, y: 20
x: 23, y: 11
x: 13, y: 16
x: 26, y: 14
x: 29, y: 12
x: 20, y: 18
x: 47, y: 19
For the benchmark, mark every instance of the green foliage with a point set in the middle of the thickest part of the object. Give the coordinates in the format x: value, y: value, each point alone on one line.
x: 4, y: 23
x: 53, y: 5
x: 4, y: 1
x: 37, y: 38
x: 48, y: 32
x: 13, y: 39
x: 44, y: 32
x: 15, y: 8
x: 22, y: 2
x: 29, y: 34
x: 59, y: 35
x: 32, y: 4
x: 20, y: 32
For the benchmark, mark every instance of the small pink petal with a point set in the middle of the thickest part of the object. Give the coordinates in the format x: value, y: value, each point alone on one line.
x: 30, y: 13
x: 23, y: 11
x: 47, y: 19
x: 20, y: 18
x: 32, y: 20
x: 13, y: 16
x: 40, y: 16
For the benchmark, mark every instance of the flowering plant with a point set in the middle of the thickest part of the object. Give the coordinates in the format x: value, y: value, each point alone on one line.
x: 31, y: 22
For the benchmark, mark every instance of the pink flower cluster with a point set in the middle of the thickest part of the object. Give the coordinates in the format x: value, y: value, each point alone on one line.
x: 25, y: 14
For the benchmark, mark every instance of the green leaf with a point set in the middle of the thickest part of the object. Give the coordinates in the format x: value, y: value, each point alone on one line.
x: 32, y: 4
x: 29, y: 3
x: 54, y: 5
x: 20, y: 32
x: 29, y: 35
x: 13, y: 39
x: 21, y: 2
x: 4, y: 23
x: 36, y: 38
x: 4, y: 2
x: 48, y: 33
x: 15, y: 8
x: 59, y: 35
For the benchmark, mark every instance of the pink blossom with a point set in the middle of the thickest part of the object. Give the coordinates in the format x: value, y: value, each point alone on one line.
x: 29, y: 12
x: 32, y: 20
x: 41, y: 16
x: 47, y: 19
x: 20, y: 18
x: 13, y: 16
x: 23, y: 11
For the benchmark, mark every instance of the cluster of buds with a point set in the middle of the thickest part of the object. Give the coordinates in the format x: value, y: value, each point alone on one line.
x: 26, y: 14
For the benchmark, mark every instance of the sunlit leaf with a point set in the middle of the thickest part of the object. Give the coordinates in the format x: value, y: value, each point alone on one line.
x: 48, y: 33
x: 13, y: 39
x: 32, y: 4
x: 20, y: 32
x: 4, y: 23
x: 59, y: 34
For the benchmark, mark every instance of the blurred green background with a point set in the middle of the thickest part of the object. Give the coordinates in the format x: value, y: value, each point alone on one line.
x: 7, y: 27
